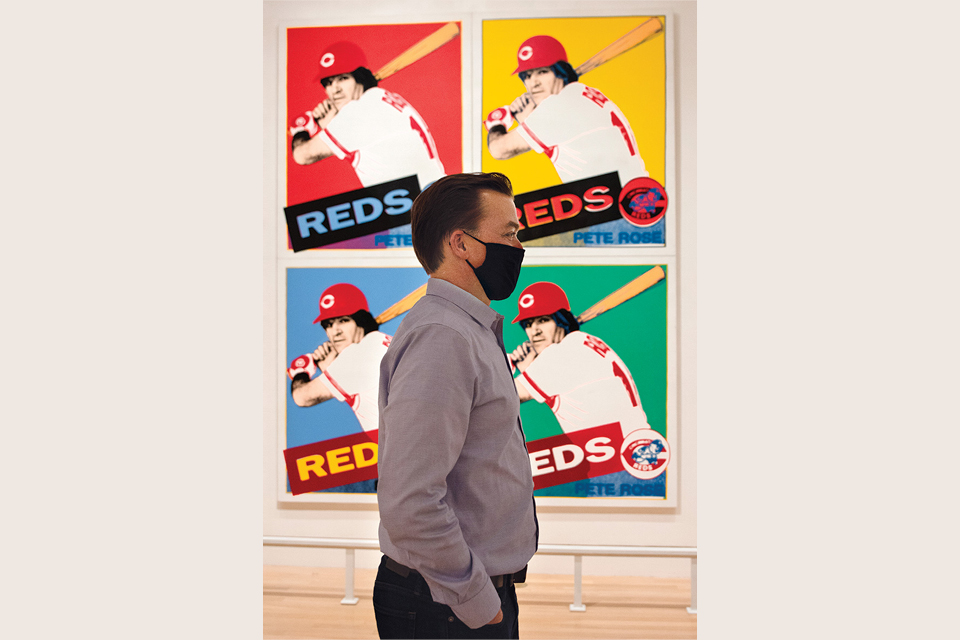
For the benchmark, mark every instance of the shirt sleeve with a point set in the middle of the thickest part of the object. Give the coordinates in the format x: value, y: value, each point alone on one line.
x: 424, y: 422
x: 345, y: 133
x: 340, y: 376
x: 550, y: 373
x: 543, y: 128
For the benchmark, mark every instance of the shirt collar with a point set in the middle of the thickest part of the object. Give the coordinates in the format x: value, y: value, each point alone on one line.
x: 480, y: 312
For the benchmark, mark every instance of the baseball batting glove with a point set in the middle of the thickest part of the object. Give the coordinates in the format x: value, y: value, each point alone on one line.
x: 500, y: 116
x: 305, y: 123
x: 302, y: 364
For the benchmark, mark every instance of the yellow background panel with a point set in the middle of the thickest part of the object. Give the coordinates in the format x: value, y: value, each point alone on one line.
x: 634, y: 80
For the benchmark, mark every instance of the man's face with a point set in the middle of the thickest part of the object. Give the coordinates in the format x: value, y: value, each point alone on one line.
x: 342, y: 89
x: 543, y: 332
x: 541, y: 83
x: 498, y: 222
x: 342, y: 332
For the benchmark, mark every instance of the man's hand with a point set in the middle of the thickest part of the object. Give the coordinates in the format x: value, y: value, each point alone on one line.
x: 324, y: 113
x: 325, y: 355
x: 497, y: 618
x: 522, y: 107
x: 302, y: 364
x: 523, y: 355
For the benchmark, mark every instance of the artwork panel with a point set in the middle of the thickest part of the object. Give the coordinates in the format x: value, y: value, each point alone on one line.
x: 636, y: 333
x: 351, y: 411
x: 405, y: 126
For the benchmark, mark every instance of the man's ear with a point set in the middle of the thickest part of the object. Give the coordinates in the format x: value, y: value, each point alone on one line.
x: 457, y: 244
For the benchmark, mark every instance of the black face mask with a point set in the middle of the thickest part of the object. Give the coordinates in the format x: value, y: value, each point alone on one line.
x: 500, y: 270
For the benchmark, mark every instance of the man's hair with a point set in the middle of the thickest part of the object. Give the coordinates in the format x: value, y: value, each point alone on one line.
x: 365, y: 77
x: 361, y: 75
x: 561, y: 68
x: 450, y: 203
x: 564, y: 319
x: 363, y: 319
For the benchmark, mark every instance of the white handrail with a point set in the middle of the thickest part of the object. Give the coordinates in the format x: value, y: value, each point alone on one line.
x: 575, y: 550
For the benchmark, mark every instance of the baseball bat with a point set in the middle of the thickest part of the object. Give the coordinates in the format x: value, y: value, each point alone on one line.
x: 402, y: 306
x: 632, y: 38
x: 431, y: 43
x: 634, y: 287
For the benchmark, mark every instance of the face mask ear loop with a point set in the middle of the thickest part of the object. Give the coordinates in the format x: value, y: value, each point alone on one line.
x: 480, y: 241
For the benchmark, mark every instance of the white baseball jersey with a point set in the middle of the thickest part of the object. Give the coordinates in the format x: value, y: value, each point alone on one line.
x: 384, y: 138
x: 586, y: 384
x: 354, y: 377
x: 584, y: 134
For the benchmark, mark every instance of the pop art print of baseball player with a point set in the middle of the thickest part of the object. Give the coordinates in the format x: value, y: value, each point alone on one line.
x: 581, y: 130
x: 348, y: 362
x: 577, y: 375
x: 378, y: 132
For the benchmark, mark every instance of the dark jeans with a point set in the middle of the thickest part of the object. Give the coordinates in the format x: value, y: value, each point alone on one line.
x: 404, y: 609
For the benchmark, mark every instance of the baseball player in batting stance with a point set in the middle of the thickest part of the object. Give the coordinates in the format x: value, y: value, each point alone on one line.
x: 377, y: 131
x: 580, y: 377
x: 349, y: 362
x: 581, y: 130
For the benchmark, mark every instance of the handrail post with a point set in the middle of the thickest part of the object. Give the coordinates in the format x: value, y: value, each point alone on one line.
x: 577, y: 579
x: 693, y: 586
x: 349, y: 598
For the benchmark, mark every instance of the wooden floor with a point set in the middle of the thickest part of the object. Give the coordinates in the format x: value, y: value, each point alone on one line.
x: 304, y: 603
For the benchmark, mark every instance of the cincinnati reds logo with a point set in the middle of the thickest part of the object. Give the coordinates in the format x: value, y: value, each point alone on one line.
x: 525, y: 53
x: 644, y: 454
x: 300, y: 362
x: 301, y: 121
x: 327, y: 301
x: 526, y: 300
x: 643, y: 202
x: 327, y: 60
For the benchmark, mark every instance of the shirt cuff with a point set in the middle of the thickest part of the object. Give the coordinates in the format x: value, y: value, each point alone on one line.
x: 481, y: 609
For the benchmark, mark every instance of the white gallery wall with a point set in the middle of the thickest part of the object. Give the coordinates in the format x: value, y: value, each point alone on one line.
x: 674, y: 526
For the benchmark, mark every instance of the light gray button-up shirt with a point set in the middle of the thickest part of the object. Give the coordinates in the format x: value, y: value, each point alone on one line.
x: 455, y: 487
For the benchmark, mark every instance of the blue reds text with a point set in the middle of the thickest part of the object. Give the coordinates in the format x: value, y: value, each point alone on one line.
x: 360, y: 211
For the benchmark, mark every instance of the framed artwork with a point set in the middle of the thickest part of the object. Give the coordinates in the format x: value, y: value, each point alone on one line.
x: 372, y: 115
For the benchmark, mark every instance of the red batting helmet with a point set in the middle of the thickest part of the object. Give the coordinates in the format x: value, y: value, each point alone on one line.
x: 539, y: 51
x: 340, y: 57
x: 341, y: 300
x: 540, y: 299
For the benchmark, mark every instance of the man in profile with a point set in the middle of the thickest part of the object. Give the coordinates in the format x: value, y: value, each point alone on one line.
x: 457, y: 516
